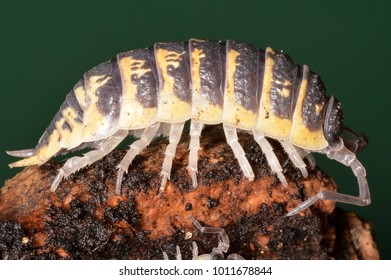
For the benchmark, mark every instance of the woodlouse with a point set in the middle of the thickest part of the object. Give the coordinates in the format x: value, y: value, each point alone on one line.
x: 148, y: 91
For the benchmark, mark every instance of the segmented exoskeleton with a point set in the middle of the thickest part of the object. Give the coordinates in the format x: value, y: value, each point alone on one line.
x: 144, y: 92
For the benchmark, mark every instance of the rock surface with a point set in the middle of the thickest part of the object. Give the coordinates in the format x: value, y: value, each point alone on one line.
x: 85, y: 219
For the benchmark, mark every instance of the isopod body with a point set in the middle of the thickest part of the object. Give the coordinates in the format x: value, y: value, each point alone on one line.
x: 156, y: 90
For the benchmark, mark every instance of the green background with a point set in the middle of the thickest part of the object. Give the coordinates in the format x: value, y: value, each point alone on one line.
x: 46, y: 46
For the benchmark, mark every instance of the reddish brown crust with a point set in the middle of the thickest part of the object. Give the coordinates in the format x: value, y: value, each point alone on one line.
x: 84, y: 219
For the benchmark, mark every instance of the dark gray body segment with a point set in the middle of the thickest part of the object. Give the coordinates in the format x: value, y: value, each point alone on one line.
x: 72, y: 102
x: 211, y: 69
x: 146, y: 83
x: 333, y: 123
x: 284, y: 75
x: 314, y: 102
x: 246, y: 85
x: 179, y: 74
x: 109, y: 94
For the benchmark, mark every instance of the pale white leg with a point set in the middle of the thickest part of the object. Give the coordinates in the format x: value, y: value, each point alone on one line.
x: 347, y: 158
x: 75, y: 163
x: 294, y: 157
x: 223, y: 240
x: 195, y: 133
x: 235, y: 257
x: 175, y: 136
x: 164, y: 129
x: 271, y: 158
x: 178, y: 254
x: 232, y: 140
x: 194, y: 250
x: 134, y: 149
x: 311, y: 160
x: 308, y: 155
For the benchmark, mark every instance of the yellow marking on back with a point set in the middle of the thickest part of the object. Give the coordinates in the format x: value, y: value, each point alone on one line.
x: 300, y: 135
x: 94, y: 122
x: 202, y: 109
x: 65, y: 134
x: 235, y: 114
x: 133, y: 114
x: 284, y: 92
x: 80, y: 96
x: 268, y: 123
x: 170, y: 108
x: 52, y: 148
x: 72, y: 139
x: 70, y: 115
x: 318, y: 108
x: 196, y: 56
x: 43, y: 154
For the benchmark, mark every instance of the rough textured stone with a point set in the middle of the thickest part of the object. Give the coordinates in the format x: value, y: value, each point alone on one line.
x: 85, y: 219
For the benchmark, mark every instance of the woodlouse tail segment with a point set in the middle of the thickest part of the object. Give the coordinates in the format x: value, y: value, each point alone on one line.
x: 25, y: 162
x: 28, y: 154
x: 21, y: 153
x: 348, y: 158
x: 48, y: 146
x: 32, y: 156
